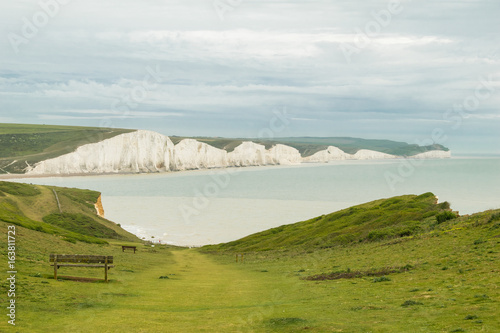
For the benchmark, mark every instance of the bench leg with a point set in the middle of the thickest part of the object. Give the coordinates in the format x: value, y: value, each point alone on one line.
x: 55, y: 271
x: 106, y: 271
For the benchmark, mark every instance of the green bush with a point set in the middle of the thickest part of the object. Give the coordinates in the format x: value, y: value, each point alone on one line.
x: 445, y: 216
x: 444, y: 205
x: 494, y: 217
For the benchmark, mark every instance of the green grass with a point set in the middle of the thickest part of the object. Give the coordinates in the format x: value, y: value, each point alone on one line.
x: 270, y: 291
x: 80, y: 223
x: 21, y: 144
x: 35, y: 207
x: 374, y: 221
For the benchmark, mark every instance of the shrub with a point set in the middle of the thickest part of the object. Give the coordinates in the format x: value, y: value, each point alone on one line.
x: 444, y: 205
x: 494, y: 217
x: 445, y: 216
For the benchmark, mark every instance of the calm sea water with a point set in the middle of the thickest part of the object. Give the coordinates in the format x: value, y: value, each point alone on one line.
x: 213, y: 206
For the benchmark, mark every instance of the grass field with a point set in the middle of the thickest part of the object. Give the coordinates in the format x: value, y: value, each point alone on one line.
x: 22, y: 144
x: 449, y: 284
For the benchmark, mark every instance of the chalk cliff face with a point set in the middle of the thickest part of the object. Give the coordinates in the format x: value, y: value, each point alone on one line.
x: 246, y: 154
x: 146, y: 151
x: 433, y: 154
x: 141, y: 151
x: 330, y: 154
x: 190, y: 154
x: 284, y: 155
x: 333, y: 154
x: 364, y: 154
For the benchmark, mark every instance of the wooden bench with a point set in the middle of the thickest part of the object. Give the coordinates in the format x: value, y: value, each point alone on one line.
x: 128, y: 247
x: 79, y: 260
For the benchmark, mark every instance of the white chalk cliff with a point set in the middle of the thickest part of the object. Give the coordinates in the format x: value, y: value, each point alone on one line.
x: 433, y: 154
x: 146, y: 151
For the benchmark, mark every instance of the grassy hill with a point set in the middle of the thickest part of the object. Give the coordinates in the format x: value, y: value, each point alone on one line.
x: 21, y: 144
x: 390, y: 277
x: 381, y: 219
x: 73, y: 219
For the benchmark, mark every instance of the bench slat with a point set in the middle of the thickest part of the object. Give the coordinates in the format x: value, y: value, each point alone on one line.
x: 79, y: 258
x: 78, y: 265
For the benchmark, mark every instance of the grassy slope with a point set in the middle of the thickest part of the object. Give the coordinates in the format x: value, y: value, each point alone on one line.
x: 21, y: 144
x: 35, y: 207
x: 385, y: 218
x: 454, y: 283
x: 307, y: 146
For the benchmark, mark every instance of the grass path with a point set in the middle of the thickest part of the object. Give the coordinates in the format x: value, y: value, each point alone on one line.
x: 198, y: 296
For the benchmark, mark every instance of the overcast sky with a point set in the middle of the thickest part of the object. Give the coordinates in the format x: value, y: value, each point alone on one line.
x: 371, y: 69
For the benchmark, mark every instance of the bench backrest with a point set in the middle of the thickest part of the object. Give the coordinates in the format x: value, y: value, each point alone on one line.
x: 81, y: 258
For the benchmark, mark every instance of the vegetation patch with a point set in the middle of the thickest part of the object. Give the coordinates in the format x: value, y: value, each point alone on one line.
x: 81, y: 224
x: 471, y: 317
x: 445, y: 216
x: 285, y: 321
x: 381, y: 279
x: 349, y: 274
x: 18, y: 189
x: 411, y: 303
x: 494, y: 217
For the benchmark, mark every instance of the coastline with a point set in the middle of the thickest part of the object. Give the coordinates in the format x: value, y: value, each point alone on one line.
x: 206, y: 201
x: 231, y: 169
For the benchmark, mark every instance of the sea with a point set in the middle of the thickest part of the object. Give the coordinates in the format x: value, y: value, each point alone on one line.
x: 199, y: 207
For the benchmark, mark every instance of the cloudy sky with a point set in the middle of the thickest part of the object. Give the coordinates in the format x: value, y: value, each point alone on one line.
x: 416, y: 71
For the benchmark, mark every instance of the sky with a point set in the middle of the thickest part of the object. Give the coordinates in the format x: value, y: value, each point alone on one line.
x: 415, y: 71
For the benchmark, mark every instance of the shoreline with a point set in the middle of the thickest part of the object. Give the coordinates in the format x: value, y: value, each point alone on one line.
x: 231, y: 168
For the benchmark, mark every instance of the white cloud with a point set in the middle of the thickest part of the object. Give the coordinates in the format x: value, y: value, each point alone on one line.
x: 226, y: 76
